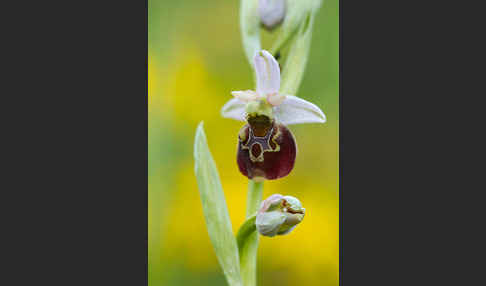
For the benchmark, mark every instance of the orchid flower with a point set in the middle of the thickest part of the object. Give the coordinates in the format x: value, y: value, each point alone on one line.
x: 267, y: 148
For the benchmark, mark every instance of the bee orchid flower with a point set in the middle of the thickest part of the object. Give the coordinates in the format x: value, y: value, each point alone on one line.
x: 266, y: 147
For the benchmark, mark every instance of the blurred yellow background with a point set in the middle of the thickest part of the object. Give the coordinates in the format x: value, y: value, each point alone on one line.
x: 196, y: 59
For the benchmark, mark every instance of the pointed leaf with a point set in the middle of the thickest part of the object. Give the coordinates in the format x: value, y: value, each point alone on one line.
x: 215, y: 210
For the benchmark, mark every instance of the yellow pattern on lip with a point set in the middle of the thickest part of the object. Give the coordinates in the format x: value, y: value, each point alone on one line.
x: 264, y: 143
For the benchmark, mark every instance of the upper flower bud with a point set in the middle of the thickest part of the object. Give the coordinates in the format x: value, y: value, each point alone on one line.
x: 271, y: 12
x: 279, y: 215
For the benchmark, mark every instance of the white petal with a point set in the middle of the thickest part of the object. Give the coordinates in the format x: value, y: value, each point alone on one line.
x: 267, y: 73
x: 234, y: 109
x: 294, y: 110
x: 245, y: 95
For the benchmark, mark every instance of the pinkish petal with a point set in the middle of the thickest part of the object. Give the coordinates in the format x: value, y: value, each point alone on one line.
x: 269, y: 202
x: 267, y: 73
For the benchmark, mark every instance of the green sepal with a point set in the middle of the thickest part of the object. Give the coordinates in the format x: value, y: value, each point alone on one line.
x: 250, y: 28
x: 295, y: 63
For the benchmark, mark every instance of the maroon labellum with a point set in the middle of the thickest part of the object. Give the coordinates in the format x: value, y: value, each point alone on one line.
x: 266, y: 149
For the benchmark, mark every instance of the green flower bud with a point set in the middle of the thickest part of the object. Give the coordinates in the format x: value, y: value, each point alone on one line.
x: 279, y: 215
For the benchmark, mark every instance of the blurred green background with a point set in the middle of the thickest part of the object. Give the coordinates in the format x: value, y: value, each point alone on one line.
x: 195, y: 60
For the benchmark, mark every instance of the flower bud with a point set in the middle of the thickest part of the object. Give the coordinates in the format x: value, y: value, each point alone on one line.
x: 272, y: 12
x: 279, y: 215
x: 266, y: 149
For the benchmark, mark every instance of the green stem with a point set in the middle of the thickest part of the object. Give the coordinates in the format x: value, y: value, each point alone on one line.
x: 248, y: 251
x: 254, y: 199
x: 246, y: 229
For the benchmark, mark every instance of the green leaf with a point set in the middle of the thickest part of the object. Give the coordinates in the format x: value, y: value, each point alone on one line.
x: 215, y: 210
x: 294, y: 67
x: 250, y: 28
x: 297, y: 10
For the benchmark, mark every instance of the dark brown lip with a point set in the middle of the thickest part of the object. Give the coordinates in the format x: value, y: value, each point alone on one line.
x: 277, y: 156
